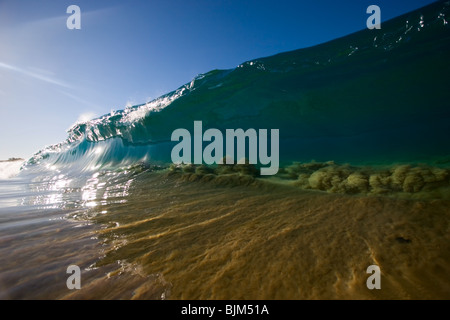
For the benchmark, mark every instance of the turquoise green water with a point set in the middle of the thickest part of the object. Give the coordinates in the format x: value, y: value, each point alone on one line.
x: 375, y: 96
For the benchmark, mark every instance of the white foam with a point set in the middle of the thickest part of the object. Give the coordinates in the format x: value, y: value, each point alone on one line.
x: 9, y: 169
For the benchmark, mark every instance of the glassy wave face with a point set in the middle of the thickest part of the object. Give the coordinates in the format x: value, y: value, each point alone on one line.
x: 364, y: 180
x: 375, y: 96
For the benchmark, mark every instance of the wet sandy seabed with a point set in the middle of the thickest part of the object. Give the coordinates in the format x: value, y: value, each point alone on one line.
x: 186, y: 236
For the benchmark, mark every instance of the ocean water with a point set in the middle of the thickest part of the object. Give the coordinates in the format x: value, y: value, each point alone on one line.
x: 364, y: 180
x: 168, y: 234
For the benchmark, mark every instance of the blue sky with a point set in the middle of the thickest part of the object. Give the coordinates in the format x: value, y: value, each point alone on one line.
x: 129, y: 52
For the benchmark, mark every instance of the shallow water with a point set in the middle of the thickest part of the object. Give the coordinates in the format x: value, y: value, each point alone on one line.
x: 172, y: 235
x: 44, y: 229
x: 216, y: 240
